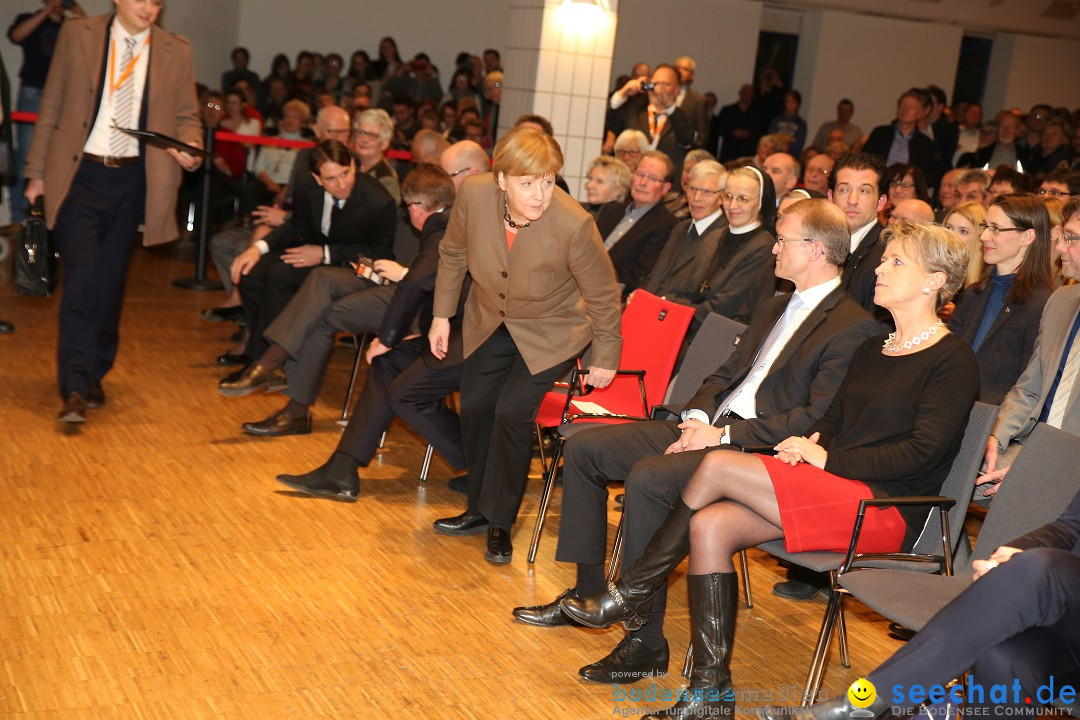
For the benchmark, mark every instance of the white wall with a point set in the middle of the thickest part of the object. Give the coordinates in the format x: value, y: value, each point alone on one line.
x: 870, y: 60
x: 1026, y: 70
x: 721, y: 36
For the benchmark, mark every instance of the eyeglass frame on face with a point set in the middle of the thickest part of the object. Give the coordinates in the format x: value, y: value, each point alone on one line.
x: 740, y: 199
x: 1053, y: 192
x: 624, y: 151
x: 819, y: 171
x: 996, y: 230
x: 366, y: 134
x: 902, y: 184
x: 458, y: 172
x: 703, y: 191
x: 1068, y: 238
x: 782, y: 241
x: 642, y: 176
x: 337, y: 131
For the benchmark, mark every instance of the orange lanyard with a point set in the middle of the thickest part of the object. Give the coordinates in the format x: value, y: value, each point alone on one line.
x: 114, y: 84
x: 656, y: 123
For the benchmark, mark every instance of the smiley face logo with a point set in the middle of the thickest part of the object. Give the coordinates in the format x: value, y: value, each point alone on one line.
x: 862, y: 693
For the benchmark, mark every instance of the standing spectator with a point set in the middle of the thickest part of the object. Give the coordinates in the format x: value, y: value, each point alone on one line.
x: 901, y: 141
x: 280, y: 68
x: 967, y: 140
x: 692, y: 102
x: 845, y: 109
x: 36, y: 33
x: 789, y: 122
x: 939, y: 128
x: 240, y: 59
x: 735, y: 126
x: 389, y: 59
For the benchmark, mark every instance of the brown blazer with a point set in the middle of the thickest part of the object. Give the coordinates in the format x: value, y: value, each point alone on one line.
x: 555, y: 290
x: 69, y: 107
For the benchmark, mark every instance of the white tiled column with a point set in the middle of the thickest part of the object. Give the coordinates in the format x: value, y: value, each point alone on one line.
x: 558, y: 65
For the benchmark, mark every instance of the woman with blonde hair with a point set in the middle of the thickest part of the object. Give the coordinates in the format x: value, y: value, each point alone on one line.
x: 966, y: 221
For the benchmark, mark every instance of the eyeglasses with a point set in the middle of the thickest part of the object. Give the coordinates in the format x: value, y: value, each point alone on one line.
x: 739, y: 199
x: 1052, y: 192
x: 627, y: 152
x: 213, y: 106
x: 458, y: 172
x: 343, y: 132
x: 995, y: 230
x: 1069, y: 238
x: 781, y: 241
x: 366, y: 134
x: 649, y: 178
x: 701, y: 191
x: 902, y: 184
x: 816, y: 171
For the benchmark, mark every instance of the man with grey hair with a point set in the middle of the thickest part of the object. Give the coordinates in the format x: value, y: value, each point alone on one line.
x: 691, y: 101
x: 462, y: 159
x: 784, y: 171
x: 779, y: 380
x: 974, y: 186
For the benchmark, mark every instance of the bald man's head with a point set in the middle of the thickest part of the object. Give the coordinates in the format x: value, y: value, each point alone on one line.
x: 332, y: 123
x: 784, y: 171
x: 463, y: 159
x: 913, y: 210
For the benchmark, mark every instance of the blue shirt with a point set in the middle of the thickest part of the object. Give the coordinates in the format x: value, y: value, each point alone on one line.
x: 1001, y: 284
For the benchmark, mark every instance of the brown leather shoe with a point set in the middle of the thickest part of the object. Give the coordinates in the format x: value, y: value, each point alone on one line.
x: 280, y: 424
x: 74, y: 410
x: 254, y: 378
x: 95, y: 395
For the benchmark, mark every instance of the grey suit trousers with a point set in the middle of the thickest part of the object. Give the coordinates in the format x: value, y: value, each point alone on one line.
x: 330, y: 301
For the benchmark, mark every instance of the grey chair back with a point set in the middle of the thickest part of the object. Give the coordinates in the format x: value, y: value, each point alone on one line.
x: 712, y: 345
x: 960, y: 482
x: 1040, y: 485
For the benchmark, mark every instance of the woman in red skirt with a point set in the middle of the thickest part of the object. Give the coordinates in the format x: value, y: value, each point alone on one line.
x: 896, y: 424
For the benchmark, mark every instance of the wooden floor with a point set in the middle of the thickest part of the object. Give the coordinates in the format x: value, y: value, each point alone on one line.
x: 151, y: 567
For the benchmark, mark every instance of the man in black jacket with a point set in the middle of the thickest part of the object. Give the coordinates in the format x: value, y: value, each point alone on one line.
x: 901, y: 141
x: 780, y: 379
x: 405, y: 379
x: 857, y: 186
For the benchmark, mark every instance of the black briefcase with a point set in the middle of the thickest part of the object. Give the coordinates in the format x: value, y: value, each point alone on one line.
x: 35, y: 258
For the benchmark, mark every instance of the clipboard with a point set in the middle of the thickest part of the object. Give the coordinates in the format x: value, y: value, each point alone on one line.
x: 158, y: 140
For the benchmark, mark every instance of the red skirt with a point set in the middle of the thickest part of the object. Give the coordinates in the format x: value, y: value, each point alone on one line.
x: 818, y: 510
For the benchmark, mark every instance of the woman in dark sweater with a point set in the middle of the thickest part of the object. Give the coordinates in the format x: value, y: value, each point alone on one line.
x: 999, y: 314
x: 896, y: 423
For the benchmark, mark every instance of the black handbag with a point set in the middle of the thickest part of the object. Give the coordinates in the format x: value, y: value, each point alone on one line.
x: 35, y: 259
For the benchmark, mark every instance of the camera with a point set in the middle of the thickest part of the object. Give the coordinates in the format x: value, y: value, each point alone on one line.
x: 67, y: 4
x: 647, y: 86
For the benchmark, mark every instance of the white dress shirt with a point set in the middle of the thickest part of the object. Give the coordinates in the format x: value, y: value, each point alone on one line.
x: 98, y: 141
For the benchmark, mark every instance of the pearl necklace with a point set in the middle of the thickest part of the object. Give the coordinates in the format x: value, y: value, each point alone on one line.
x: 893, y: 347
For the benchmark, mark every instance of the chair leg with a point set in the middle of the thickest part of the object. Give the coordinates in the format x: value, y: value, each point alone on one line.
x: 745, y: 578
x: 841, y: 633
x: 616, y: 551
x: 688, y: 661
x: 426, y: 465
x: 382, y: 440
x: 545, y: 498
x: 821, y: 650
x: 359, y: 340
x: 540, y: 444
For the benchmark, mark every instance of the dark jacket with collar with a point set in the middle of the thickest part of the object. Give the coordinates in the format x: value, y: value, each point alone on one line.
x: 676, y: 137
x: 859, y: 272
x: 981, y: 157
x: 1007, y: 347
x: 364, y: 226
x: 922, y: 152
x: 635, y: 255
x: 738, y: 278
x: 805, y: 375
x: 415, y: 297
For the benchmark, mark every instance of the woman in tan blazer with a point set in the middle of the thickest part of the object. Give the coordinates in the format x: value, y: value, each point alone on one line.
x: 543, y: 289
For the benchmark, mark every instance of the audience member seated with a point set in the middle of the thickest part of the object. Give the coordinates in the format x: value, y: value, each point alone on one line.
x: 816, y: 173
x: 372, y: 131
x: 999, y: 314
x: 1007, y: 181
x: 905, y: 182
x: 427, y: 147
x: 850, y: 132
x: 608, y: 182
x: 1053, y: 151
x: 274, y: 165
x: 777, y: 383
x: 912, y: 211
x: 767, y: 145
x: 901, y: 141
x: 784, y: 171
x: 1003, y: 151
x: 630, y: 145
x: 1060, y: 183
x: 1043, y: 392
x: 344, y: 214
x: 405, y: 380
x: 896, y: 423
x: 970, y: 123
x: 790, y: 124
x: 676, y: 200
x: 858, y: 187
x: 946, y: 197
x: 654, y: 112
x: 635, y: 231
x: 974, y: 186
x: 966, y: 221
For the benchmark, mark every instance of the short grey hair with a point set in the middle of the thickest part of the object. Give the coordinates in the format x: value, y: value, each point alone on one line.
x: 632, y: 137
x: 936, y: 250
x: 709, y: 167
x: 620, y: 173
x: 375, y: 116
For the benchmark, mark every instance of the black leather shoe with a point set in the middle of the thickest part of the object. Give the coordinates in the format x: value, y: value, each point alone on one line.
x: 95, y: 395
x: 901, y: 631
x: 466, y: 523
x: 798, y: 590
x: 607, y: 608
x: 223, y: 314
x: 499, y: 549
x: 335, y: 480
x: 74, y: 410
x: 280, y: 424
x: 231, y: 360
x: 628, y: 662
x: 549, y: 615
x: 6, y: 327
x: 253, y: 379
x: 459, y: 484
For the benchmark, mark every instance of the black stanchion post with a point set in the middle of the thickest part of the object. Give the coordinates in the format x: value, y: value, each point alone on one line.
x: 200, y: 281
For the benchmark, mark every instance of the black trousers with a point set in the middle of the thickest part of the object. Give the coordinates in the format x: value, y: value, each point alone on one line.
x: 1019, y: 622
x: 265, y: 291
x: 95, y: 234
x: 400, y: 383
x: 499, y: 402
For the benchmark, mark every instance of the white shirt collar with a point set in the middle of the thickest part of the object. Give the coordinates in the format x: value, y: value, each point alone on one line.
x: 119, y: 32
x: 706, y: 222
x: 813, y: 296
x: 858, y: 235
x: 749, y: 227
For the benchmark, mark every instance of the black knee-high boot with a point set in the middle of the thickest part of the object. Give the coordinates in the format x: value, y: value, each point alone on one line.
x: 630, y: 597
x: 714, y: 600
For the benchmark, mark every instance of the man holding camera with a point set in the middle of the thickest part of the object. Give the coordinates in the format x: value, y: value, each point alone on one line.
x: 648, y: 105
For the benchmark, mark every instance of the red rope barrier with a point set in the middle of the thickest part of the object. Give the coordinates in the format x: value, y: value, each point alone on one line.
x: 226, y: 136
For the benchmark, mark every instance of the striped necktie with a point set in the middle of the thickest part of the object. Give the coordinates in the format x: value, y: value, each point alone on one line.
x: 123, y: 102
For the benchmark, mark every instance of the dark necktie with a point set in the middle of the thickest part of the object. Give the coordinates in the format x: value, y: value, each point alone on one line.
x: 335, y: 211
